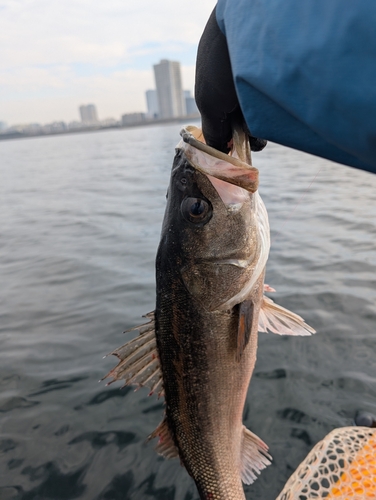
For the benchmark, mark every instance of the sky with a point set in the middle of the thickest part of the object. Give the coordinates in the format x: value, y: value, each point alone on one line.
x: 58, y: 54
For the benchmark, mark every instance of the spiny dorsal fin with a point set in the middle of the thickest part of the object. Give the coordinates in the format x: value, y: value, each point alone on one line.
x: 254, y: 456
x: 277, y: 319
x: 166, y: 446
x: 138, y: 360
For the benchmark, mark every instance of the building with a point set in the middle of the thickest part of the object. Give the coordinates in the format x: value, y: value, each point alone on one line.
x: 55, y: 128
x: 88, y: 114
x: 109, y: 122
x: 190, y: 104
x: 168, y: 81
x: 152, y: 104
x: 133, y: 119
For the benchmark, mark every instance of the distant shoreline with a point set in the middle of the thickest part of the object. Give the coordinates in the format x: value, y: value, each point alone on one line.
x: 98, y: 128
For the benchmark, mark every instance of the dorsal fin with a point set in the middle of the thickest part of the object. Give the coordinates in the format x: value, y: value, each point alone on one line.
x: 138, y: 360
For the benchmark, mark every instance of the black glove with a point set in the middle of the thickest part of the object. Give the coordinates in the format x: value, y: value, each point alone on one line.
x: 215, y: 92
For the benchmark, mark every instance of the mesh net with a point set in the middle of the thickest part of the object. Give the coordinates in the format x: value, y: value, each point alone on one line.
x: 342, y: 467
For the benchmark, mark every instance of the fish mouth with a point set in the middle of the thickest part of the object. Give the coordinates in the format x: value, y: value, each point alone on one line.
x: 214, y: 163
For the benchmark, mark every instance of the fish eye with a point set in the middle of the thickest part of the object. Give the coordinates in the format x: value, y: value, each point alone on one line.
x: 196, y: 210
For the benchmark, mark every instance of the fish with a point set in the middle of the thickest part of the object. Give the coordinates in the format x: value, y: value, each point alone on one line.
x: 198, y: 348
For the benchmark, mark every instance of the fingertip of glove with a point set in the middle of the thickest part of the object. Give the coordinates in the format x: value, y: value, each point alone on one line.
x: 257, y: 144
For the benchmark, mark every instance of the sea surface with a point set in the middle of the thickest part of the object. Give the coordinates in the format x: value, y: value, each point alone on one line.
x: 80, y: 219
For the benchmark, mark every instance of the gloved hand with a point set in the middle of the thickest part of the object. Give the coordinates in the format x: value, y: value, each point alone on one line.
x: 215, y: 92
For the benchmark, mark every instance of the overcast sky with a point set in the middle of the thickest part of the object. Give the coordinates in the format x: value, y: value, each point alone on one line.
x: 58, y: 54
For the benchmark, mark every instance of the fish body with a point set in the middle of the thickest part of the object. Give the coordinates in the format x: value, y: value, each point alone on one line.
x: 199, y: 347
x: 205, y: 384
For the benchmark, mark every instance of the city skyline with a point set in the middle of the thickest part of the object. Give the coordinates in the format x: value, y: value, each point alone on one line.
x: 144, y: 108
x: 54, y: 59
x: 168, y: 101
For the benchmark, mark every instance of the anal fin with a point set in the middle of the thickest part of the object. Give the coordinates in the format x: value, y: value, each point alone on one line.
x: 254, y: 456
x: 166, y: 446
x: 277, y: 319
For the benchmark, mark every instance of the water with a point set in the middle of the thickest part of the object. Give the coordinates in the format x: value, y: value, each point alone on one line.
x: 80, y: 218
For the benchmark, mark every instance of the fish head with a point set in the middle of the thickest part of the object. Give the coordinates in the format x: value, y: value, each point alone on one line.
x: 210, y: 235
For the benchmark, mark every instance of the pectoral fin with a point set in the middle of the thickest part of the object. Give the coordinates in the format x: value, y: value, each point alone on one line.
x: 138, y: 360
x: 246, y: 319
x: 254, y: 456
x: 277, y: 319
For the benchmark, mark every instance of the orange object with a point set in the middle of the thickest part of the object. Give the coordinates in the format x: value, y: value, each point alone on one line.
x: 340, y: 467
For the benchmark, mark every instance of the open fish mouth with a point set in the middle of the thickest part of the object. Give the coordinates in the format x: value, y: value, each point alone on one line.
x: 212, y: 162
x: 233, y: 179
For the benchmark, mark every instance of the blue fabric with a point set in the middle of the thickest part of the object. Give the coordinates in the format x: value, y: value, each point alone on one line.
x: 305, y: 73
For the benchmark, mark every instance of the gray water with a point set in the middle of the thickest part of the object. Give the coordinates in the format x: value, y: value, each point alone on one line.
x: 80, y: 218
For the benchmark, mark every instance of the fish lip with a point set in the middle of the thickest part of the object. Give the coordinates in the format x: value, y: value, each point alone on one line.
x: 242, y: 175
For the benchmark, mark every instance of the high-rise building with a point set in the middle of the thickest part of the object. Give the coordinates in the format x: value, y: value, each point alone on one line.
x: 152, y: 103
x: 88, y: 113
x: 168, y: 81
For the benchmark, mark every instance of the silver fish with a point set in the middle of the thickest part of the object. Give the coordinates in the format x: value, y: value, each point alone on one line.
x: 199, y: 347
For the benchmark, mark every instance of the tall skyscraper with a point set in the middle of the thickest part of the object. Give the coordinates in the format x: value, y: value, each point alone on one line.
x: 152, y: 103
x: 88, y: 113
x: 168, y: 81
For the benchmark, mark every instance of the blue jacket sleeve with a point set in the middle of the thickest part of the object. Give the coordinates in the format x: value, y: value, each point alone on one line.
x: 305, y: 73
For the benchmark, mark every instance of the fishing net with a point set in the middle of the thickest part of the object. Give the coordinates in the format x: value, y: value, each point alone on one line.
x: 342, y: 467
